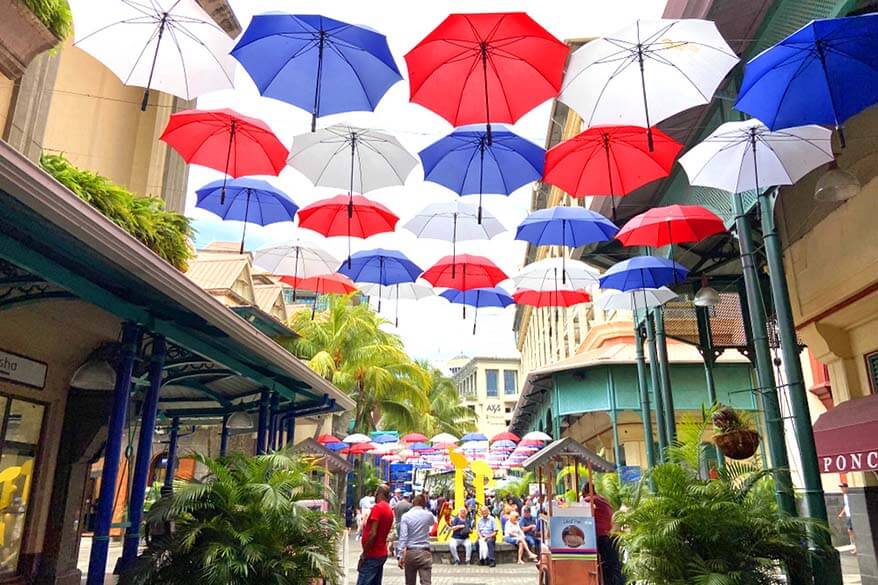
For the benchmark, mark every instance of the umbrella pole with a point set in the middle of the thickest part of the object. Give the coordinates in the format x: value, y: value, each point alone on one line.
x: 464, y: 292
x: 606, y: 140
x: 380, y: 280
x: 563, y: 253
x: 483, y: 48
x: 476, y: 316
x: 454, y: 247
x: 315, y: 112
x: 232, y: 131
x: 155, y: 58
x: 351, y: 199
x: 397, y: 306
x: 296, y: 274
x: 481, y: 177
x: 246, y: 212
x: 643, y: 89
x: 821, y: 54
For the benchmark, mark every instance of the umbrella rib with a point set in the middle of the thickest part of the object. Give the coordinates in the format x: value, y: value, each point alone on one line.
x: 155, y: 33
x: 176, y: 41
x: 368, y: 144
x: 622, y: 66
x: 134, y: 20
x: 663, y: 61
x: 173, y: 25
x: 465, y: 173
x: 151, y: 9
x: 306, y: 47
x: 329, y: 159
x: 472, y: 67
x: 355, y: 72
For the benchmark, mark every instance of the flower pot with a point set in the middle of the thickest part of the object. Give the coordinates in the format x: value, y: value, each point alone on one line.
x: 22, y: 37
x: 739, y: 444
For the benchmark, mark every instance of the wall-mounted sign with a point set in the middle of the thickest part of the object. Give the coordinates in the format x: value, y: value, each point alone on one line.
x: 22, y: 370
x: 863, y: 461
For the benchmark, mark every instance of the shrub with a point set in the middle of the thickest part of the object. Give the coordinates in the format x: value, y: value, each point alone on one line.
x: 55, y: 14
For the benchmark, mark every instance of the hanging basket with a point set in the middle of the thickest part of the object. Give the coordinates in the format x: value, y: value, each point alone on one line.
x: 738, y: 444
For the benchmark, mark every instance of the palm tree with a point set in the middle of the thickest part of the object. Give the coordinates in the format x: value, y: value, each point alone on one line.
x: 447, y: 414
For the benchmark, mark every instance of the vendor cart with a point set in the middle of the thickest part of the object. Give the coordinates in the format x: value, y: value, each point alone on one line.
x: 569, y: 555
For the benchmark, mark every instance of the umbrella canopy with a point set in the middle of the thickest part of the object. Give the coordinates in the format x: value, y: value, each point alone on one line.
x: 326, y: 284
x: 464, y: 272
x: 823, y: 73
x: 226, y: 141
x: 248, y: 200
x: 361, y: 448
x: 296, y: 260
x: 478, y: 298
x: 505, y: 436
x: 552, y: 274
x: 420, y: 447
x: 471, y: 437
x: 562, y: 297
x: 381, y: 267
x: 356, y: 438
x: 384, y: 439
x: 354, y: 216
x: 468, y: 164
x: 538, y: 436
x: 645, y: 298
x: 565, y: 226
x: 327, y: 439
x: 444, y: 438
x: 414, y: 438
x: 743, y: 156
x: 173, y: 46
x: 647, y: 72
x: 340, y: 446
x: 483, y: 68
x: 643, y: 272
x: 319, y: 64
x: 409, y: 291
x: 610, y: 160
x: 672, y: 224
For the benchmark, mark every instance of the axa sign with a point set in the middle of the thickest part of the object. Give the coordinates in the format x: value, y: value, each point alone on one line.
x: 842, y: 463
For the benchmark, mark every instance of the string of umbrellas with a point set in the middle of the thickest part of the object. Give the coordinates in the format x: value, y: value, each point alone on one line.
x: 502, y: 452
x: 480, y: 72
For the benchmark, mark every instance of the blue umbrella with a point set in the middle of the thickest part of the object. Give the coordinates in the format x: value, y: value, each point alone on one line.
x: 643, y: 272
x: 468, y: 162
x: 381, y: 439
x: 247, y: 200
x: 420, y: 447
x: 478, y: 297
x: 336, y: 446
x: 824, y: 73
x: 381, y: 267
x: 321, y: 65
x: 470, y: 437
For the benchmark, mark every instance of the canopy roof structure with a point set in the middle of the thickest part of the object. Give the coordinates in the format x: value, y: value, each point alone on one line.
x: 567, y: 447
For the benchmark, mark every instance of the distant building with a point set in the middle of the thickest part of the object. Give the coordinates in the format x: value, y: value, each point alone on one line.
x: 489, y: 387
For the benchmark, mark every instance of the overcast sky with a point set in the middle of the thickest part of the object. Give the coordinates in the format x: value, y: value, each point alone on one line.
x: 431, y: 328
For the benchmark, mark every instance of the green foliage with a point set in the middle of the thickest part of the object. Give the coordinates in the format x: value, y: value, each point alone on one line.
x: 55, y: 14
x: 726, y: 531
x: 242, y: 525
x: 617, y: 493
x: 518, y: 486
x: 164, y: 232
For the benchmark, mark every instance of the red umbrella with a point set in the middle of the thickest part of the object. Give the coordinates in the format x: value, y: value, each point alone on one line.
x: 326, y: 284
x: 360, y: 448
x: 327, y: 439
x: 414, y: 438
x: 226, y: 141
x: 353, y: 216
x: 550, y: 298
x: 610, y: 160
x: 673, y: 224
x: 492, y: 67
x: 464, y: 272
x: 505, y: 436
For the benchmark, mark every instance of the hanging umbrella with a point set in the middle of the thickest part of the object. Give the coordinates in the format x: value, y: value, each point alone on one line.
x: 560, y: 297
x: 478, y: 298
x: 444, y: 438
x: 381, y: 267
x: 645, y: 298
x: 646, y: 73
x: 325, y: 284
x: 454, y: 222
x: 294, y: 261
x: 823, y: 73
x: 173, y: 46
x: 247, y: 200
x: 319, y: 64
x: 414, y: 438
x: 744, y: 156
x: 537, y: 435
x: 353, y: 216
x: 226, y: 141
x: 506, y: 436
x: 643, y: 272
x: 327, y: 439
x: 361, y: 448
x: 465, y: 162
x: 610, y: 161
x: 672, y: 224
x: 471, y: 437
x: 554, y: 273
x: 384, y: 439
x: 483, y: 68
x: 340, y: 446
x: 464, y: 272
x: 356, y: 438
x: 408, y: 291
x: 503, y: 444
x: 420, y: 447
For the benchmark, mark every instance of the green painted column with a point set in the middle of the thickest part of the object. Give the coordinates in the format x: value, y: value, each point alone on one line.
x: 660, y: 425
x: 826, y: 569
x: 614, y: 416
x: 709, y: 355
x: 643, y: 388
x: 774, y: 425
x: 661, y: 342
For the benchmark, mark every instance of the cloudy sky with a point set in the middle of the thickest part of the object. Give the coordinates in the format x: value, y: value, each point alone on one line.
x: 431, y: 328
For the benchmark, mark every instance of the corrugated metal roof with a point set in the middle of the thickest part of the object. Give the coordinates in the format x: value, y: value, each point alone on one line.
x: 270, y: 298
x: 216, y: 273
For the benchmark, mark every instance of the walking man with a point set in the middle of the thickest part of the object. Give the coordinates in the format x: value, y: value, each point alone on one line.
x: 461, y: 527
x: 376, y: 527
x: 846, y: 512
x: 415, y: 557
x: 487, y: 531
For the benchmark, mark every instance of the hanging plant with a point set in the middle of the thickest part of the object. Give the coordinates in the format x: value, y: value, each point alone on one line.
x: 734, y: 433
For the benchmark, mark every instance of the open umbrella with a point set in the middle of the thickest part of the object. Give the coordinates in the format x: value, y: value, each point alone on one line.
x: 327, y: 439
x: 645, y: 298
x: 646, y: 73
x: 468, y: 164
x: 643, y: 272
x: 453, y: 222
x: 247, y: 200
x: 414, y: 438
x: 610, y: 161
x: 354, y: 216
x: 325, y: 284
x: 483, y: 68
x: 420, y: 447
x: 562, y: 296
x: 381, y: 267
x: 226, y: 141
x: 464, y: 272
x: 356, y: 438
x: 823, y: 73
x: 444, y: 438
x: 478, y: 298
x: 537, y: 435
x: 361, y: 448
x: 319, y: 64
x: 340, y: 446
x: 506, y: 436
x: 672, y: 224
x: 554, y: 274
x: 407, y: 291
x: 384, y: 439
x: 173, y: 46
x: 294, y: 261
x: 471, y: 437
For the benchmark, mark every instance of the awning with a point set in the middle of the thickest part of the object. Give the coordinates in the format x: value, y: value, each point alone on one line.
x: 847, y: 436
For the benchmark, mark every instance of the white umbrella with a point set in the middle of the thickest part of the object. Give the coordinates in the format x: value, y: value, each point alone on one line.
x: 346, y: 157
x: 647, y: 72
x: 615, y: 300
x: 556, y: 274
x: 444, y: 438
x: 298, y: 259
x: 356, y: 438
x: 409, y: 291
x: 169, y: 45
x: 537, y: 436
x: 743, y: 156
x: 454, y: 222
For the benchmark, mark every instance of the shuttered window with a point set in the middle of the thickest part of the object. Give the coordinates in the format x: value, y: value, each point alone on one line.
x: 872, y: 371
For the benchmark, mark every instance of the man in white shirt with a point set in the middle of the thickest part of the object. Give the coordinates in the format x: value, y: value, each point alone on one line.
x: 415, y: 556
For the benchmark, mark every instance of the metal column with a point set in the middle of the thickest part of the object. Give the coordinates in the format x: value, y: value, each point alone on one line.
x: 645, y: 411
x: 614, y: 416
x: 224, y: 437
x: 826, y: 569
x: 262, y: 423
x: 274, y: 423
x: 144, y: 452
x: 661, y: 427
x: 661, y: 342
x: 291, y: 430
x: 709, y: 354
x: 97, y: 564
x: 171, y: 466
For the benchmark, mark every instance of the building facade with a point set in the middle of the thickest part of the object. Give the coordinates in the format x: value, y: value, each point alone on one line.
x: 489, y: 387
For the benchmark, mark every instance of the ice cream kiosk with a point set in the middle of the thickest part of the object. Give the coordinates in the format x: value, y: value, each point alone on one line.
x: 571, y: 557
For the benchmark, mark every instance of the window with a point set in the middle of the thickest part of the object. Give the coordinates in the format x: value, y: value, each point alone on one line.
x: 510, y: 381
x: 20, y: 430
x: 872, y: 371
x: 491, y: 381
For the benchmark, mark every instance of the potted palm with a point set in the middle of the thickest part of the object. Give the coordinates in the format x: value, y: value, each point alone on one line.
x: 28, y: 28
x: 734, y: 433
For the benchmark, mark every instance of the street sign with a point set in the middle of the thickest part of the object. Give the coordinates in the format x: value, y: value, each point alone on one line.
x: 21, y: 370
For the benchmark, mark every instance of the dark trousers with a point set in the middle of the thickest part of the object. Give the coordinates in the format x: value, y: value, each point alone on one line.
x: 371, y: 571
x: 611, y: 564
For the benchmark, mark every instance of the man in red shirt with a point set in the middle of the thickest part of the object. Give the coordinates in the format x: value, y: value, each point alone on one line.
x: 611, y: 565
x: 375, y: 531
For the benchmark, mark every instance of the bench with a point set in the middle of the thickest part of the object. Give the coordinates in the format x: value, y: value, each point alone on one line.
x: 504, y: 553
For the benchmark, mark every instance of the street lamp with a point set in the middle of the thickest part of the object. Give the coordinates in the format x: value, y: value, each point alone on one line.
x: 836, y: 184
x: 707, y: 296
x: 94, y: 374
x: 240, y: 421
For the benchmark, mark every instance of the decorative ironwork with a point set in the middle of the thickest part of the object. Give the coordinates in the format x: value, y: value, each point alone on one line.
x: 19, y: 286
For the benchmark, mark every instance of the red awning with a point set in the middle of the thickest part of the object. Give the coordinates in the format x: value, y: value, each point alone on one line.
x: 847, y: 436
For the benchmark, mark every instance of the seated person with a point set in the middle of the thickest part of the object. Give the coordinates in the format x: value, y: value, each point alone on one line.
x: 530, y: 525
x: 486, y: 529
x: 461, y: 526
x: 513, y: 534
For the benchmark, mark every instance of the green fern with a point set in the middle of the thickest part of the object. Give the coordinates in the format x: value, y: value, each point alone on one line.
x: 55, y: 14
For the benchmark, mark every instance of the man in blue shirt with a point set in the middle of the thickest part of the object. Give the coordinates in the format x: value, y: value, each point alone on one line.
x: 461, y: 526
x: 486, y: 528
x: 530, y: 525
x: 413, y: 547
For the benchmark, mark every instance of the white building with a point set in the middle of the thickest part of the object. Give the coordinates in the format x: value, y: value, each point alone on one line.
x: 489, y: 387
